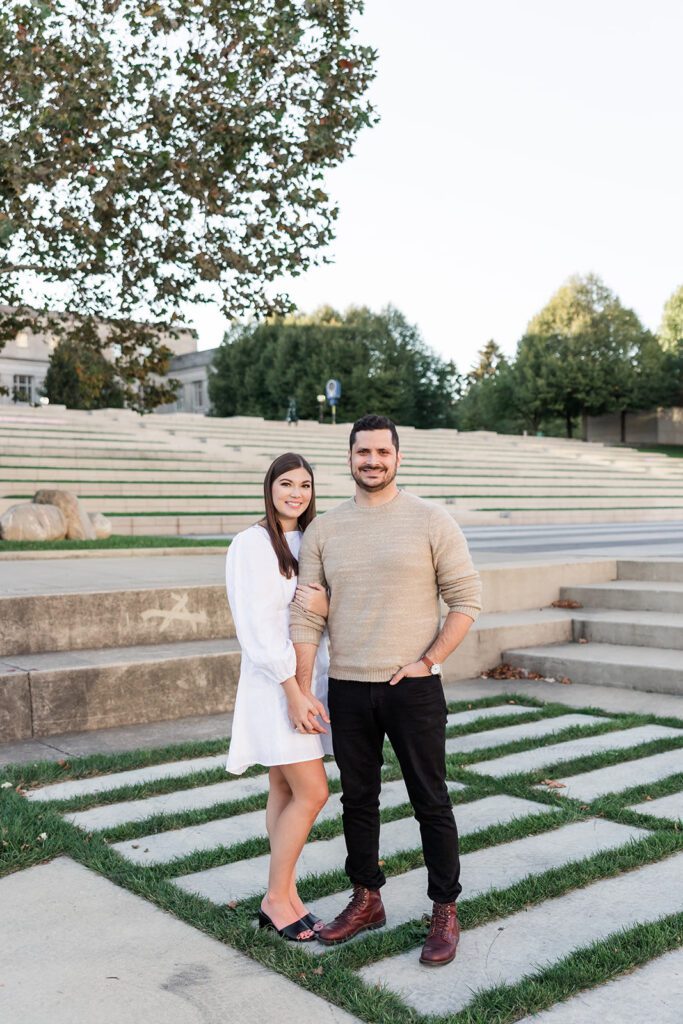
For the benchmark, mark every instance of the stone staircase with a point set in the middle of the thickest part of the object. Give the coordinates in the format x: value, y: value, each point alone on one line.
x: 118, y: 651
x: 628, y: 631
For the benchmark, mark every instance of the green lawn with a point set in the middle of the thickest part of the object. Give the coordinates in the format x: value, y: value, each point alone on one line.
x: 117, y: 540
x: 32, y: 832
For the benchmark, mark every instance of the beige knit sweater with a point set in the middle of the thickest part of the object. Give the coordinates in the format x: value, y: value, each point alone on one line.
x: 385, y: 567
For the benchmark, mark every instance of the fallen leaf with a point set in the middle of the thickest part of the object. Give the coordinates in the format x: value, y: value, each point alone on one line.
x: 648, y: 798
x: 43, y: 836
x: 553, y: 784
x: 582, y: 640
x: 135, y: 846
x: 505, y: 671
x: 565, y: 681
x: 6, y: 785
x: 317, y: 970
x: 565, y: 603
x: 231, y: 905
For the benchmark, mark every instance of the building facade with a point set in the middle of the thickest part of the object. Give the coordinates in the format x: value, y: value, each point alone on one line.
x: 25, y: 357
x: 192, y: 370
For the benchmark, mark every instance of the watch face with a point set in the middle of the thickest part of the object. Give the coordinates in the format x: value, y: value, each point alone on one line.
x: 435, y: 670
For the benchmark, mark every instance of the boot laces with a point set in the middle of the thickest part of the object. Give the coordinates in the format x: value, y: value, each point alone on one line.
x: 358, y: 900
x: 442, y: 918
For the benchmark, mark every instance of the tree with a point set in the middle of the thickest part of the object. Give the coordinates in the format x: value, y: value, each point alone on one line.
x: 489, y: 359
x: 489, y: 401
x: 577, y: 355
x: 155, y: 154
x: 81, y: 378
x: 671, y: 329
x: 380, y: 358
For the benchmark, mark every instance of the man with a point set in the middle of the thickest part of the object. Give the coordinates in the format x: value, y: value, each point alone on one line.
x: 385, y: 557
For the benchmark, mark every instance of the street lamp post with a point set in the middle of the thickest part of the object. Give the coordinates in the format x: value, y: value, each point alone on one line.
x: 321, y: 407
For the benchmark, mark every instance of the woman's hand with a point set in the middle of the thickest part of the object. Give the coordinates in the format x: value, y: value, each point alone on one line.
x: 303, y: 709
x: 312, y: 597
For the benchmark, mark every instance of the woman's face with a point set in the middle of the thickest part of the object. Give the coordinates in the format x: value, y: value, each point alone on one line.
x: 292, y: 493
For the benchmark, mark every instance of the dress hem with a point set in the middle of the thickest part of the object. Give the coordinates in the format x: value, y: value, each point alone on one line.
x: 275, y: 764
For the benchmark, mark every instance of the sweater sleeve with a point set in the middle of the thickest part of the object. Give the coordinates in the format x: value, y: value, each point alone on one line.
x: 253, y: 594
x: 458, y: 581
x: 306, y: 627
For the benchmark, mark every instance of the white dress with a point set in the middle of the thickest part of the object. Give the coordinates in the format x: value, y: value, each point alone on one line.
x: 259, y: 597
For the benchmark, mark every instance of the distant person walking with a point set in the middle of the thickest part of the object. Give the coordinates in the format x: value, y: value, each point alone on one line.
x: 275, y: 724
x: 387, y: 557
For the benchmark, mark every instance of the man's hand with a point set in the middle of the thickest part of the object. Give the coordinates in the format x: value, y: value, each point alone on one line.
x: 417, y: 668
x: 303, y: 710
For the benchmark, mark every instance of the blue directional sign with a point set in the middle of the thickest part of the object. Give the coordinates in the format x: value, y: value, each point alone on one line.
x: 333, y: 391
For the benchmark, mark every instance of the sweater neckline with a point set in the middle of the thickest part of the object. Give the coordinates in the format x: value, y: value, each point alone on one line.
x: 365, y: 509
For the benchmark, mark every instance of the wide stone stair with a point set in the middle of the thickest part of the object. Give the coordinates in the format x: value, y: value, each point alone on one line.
x: 627, y: 632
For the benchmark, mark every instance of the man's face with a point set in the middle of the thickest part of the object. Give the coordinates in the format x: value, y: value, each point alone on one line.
x: 374, y: 460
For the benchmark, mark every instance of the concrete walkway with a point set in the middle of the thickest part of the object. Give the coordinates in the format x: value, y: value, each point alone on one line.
x: 82, y: 950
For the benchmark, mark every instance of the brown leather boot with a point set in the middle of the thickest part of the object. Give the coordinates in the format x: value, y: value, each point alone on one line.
x: 442, y: 940
x: 364, y: 912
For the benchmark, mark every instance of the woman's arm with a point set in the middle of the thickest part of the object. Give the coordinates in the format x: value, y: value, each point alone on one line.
x: 253, y: 585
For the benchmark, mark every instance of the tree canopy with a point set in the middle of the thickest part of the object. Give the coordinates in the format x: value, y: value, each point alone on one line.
x: 671, y: 329
x: 156, y: 154
x: 380, y: 358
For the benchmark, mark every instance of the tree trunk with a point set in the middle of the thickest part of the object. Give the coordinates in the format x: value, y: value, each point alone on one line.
x: 622, y: 428
x: 570, y: 425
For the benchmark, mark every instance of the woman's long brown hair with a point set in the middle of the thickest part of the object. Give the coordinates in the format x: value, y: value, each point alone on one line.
x: 288, y: 564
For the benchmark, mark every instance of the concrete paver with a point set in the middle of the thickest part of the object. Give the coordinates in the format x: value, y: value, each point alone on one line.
x: 504, y: 951
x: 111, y: 815
x: 104, y: 783
x: 528, y: 760
x: 249, y: 877
x: 78, y: 949
x: 618, y: 777
x: 165, y: 846
x: 653, y: 992
x: 512, y: 733
x: 495, y: 867
x: 665, y: 807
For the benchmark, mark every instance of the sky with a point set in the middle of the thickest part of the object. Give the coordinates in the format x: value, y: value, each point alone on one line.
x: 520, y: 142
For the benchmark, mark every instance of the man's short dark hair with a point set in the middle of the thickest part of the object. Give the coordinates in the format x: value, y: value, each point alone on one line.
x: 373, y: 422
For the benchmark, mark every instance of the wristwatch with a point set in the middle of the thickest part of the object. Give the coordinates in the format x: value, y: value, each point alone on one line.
x: 433, y: 667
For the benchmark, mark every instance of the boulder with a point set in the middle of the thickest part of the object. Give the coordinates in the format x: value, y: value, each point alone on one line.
x: 102, y: 525
x: 33, y: 522
x: 78, y: 526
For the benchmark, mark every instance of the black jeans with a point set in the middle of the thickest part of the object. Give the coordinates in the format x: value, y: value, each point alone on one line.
x: 412, y: 715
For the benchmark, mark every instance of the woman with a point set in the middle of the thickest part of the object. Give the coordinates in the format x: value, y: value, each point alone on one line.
x: 261, y: 579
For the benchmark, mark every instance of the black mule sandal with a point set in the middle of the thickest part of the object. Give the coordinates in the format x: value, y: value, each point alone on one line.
x: 290, y: 932
x: 310, y: 920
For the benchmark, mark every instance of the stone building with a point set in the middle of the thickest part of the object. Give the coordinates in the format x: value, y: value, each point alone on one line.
x: 24, y: 360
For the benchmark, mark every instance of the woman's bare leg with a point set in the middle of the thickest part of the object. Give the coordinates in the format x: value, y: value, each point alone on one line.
x: 288, y: 833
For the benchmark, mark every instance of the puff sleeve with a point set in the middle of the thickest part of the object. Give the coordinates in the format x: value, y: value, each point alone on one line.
x: 258, y: 605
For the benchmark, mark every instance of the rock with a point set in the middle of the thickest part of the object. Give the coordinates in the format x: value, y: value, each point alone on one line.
x: 101, y: 524
x: 33, y: 522
x: 78, y: 526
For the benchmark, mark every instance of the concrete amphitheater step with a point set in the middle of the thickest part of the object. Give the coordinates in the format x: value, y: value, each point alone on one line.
x: 656, y: 669
x: 660, y: 570
x: 53, y: 692
x: 37, y: 623
x: 630, y: 628
x: 629, y: 595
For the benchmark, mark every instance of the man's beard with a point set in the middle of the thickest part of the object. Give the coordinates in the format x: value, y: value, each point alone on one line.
x: 380, y: 485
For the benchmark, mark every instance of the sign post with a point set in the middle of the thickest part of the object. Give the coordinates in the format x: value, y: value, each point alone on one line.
x: 333, y: 390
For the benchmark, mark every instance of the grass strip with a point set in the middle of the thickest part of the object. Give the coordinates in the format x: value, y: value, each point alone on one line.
x: 116, y: 541
x: 23, y: 824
